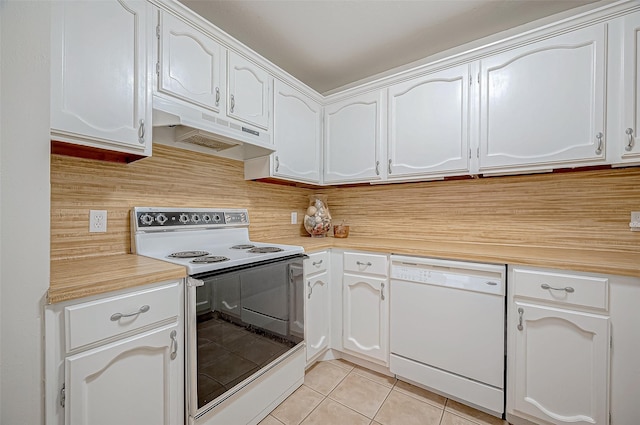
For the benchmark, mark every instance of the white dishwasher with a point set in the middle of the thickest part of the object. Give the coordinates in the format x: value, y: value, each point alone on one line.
x: 447, y: 328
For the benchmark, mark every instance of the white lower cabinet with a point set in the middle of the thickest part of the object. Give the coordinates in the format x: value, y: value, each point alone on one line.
x: 559, y: 349
x: 317, y: 303
x: 133, y: 381
x: 365, y: 330
x: 116, y: 358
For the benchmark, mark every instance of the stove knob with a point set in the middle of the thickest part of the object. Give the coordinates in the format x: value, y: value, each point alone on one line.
x: 216, y: 218
x: 161, y: 218
x: 195, y: 218
x: 146, y: 219
x: 206, y: 218
x: 184, y: 218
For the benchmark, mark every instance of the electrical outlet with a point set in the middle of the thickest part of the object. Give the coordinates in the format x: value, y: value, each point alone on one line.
x: 635, y: 216
x: 294, y: 217
x: 97, y: 221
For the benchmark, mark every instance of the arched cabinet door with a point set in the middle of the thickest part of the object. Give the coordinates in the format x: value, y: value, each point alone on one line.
x: 561, y: 365
x: 542, y: 105
x: 429, y: 125
x: 250, y: 90
x: 353, y: 136
x: 317, y: 314
x: 100, y: 68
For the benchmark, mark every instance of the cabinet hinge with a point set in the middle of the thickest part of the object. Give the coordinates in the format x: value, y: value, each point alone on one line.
x: 158, y: 31
x: 478, y: 78
x: 158, y: 68
x: 470, y: 79
x: 62, y: 396
x: 478, y: 152
x: 611, y: 342
x: 469, y: 153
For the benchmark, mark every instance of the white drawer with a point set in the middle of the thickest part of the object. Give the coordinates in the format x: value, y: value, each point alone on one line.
x: 366, y: 263
x: 317, y: 262
x: 97, y: 320
x: 570, y: 289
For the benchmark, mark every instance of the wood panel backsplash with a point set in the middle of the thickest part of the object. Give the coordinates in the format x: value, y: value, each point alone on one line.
x: 170, y: 178
x: 583, y: 209
x: 586, y: 209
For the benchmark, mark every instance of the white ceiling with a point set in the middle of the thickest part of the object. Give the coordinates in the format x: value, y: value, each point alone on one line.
x: 332, y: 43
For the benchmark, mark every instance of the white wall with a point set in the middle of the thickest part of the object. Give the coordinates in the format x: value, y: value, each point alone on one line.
x: 24, y: 206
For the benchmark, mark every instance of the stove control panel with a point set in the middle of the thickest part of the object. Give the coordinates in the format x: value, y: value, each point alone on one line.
x: 173, y: 218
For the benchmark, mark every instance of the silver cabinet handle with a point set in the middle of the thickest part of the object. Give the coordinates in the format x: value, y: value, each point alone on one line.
x: 117, y: 316
x: 630, y: 140
x: 316, y: 263
x: 277, y: 163
x: 310, y: 289
x: 377, y: 168
x: 217, y: 96
x: 599, y: 136
x: 233, y: 102
x: 141, y: 132
x: 520, y: 313
x: 389, y: 166
x: 491, y: 283
x: 174, y: 344
x: 568, y: 289
x: 382, y: 291
x: 360, y: 263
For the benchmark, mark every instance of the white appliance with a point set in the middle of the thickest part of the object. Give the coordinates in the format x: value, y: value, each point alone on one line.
x: 448, y: 328
x: 244, y: 307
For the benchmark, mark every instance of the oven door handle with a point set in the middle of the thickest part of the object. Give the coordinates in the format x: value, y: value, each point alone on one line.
x: 194, y: 283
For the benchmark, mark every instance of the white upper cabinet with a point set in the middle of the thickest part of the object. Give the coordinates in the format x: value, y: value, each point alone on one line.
x: 428, y: 125
x: 192, y: 64
x: 100, y: 63
x: 250, y: 89
x: 353, y: 131
x: 542, y: 105
x: 297, y: 127
x: 624, y: 131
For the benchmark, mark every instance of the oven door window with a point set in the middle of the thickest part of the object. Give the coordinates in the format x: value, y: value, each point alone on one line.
x: 244, y: 324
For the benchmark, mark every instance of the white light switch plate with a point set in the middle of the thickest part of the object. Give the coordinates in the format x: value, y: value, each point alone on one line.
x: 97, y: 221
x: 294, y: 217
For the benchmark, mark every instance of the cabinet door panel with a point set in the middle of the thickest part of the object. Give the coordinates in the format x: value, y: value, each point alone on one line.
x: 428, y: 125
x: 191, y: 64
x: 99, y: 58
x: 352, y: 139
x: 249, y: 90
x: 130, y: 382
x: 562, y: 363
x: 628, y: 132
x: 542, y: 105
x: 366, y: 316
x: 296, y: 134
x: 317, y: 314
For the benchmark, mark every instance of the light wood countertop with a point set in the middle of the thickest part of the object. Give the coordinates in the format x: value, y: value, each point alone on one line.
x: 77, y: 278
x: 585, y: 260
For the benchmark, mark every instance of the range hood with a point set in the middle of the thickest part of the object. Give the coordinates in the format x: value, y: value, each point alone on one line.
x: 178, y: 124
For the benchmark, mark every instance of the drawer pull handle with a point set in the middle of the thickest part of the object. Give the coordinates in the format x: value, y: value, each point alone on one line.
x: 491, y: 283
x: 567, y: 289
x: 317, y: 263
x: 117, y: 316
x: 360, y: 263
x: 174, y: 344
x: 382, y: 291
x: 520, y: 313
x: 310, y: 289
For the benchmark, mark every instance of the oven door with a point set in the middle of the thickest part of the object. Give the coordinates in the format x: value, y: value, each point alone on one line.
x: 240, y: 324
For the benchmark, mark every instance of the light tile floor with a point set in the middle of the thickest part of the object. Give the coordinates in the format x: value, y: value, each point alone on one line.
x: 337, y: 392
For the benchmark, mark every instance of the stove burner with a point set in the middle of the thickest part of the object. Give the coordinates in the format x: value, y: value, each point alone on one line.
x: 188, y: 254
x: 209, y: 259
x: 243, y: 246
x: 265, y: 250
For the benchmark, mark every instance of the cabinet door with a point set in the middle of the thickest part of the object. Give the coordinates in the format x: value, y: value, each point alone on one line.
x: 561, y: 365
x: 249, y: 92
x: 297, y: 134
x: 352, y: 139
x: 542, y: 105
x: 627, y: 133
x: 428, y: 125
x: 129, y: 382
x: 317, y: 314
x: 366, y: 316
x: 100, y: 58
x: 191, y: 64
